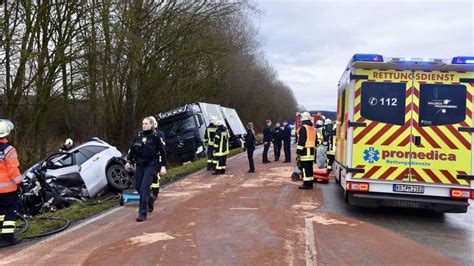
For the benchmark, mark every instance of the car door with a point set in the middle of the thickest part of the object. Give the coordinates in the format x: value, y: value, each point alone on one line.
x: 441, y: 150
x: 381, y: 125
x: 89, y: 158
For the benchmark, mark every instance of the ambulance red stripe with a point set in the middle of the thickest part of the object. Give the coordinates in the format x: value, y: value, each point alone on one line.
x: 379, y: 134
x: 365, y: 131
x: 458, y: 135
x: 426, y: 136
x: 387, y: 173
x: 372, y: 171
x: 432, y: 176
x: 449, y: 176
x: 444, y: 138
x: 396, y: 134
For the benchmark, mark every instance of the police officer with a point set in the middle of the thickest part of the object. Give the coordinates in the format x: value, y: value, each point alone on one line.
x: 277, y: 133
x: 306, y: 149
x: 287, y: 141
x: 209, y: 138
x: 221, y: 147
x: 10, y: 179
x: 145, y: 153
x: 250, y: 141
x: 267, y: 139
x: 155, y: 186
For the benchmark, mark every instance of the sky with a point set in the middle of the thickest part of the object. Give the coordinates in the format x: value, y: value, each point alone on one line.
x: 309, y: 43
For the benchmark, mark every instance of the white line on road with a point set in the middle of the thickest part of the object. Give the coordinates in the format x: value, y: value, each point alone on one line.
x: 243, y: 209
x: 248, y: 197
x: 310, y: 253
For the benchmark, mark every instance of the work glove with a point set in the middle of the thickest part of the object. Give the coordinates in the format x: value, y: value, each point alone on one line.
x: 163, y: 171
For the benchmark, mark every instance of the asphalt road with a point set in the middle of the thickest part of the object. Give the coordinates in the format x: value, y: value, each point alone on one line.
x: 450, y: 234
x: 241, y: 219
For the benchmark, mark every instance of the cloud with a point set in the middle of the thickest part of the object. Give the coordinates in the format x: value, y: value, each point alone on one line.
x: 309, y: 43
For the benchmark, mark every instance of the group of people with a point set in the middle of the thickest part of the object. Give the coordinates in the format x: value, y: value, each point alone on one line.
x: 217, y: 141
x: 148, y: 155
x: 277, y: 136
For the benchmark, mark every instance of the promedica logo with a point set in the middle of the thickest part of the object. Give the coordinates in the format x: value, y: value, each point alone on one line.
x: 371, y: 155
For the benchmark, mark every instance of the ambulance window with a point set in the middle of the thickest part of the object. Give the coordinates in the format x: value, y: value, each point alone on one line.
x: 383, y: 102
x: 442, y: 104
x: 343, y: 106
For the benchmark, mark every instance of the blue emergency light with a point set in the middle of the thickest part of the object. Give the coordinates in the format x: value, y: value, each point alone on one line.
x: 461, y: 60
x: 367, y: 58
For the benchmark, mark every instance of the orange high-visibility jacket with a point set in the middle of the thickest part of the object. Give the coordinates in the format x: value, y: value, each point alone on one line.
x: 10, y: 175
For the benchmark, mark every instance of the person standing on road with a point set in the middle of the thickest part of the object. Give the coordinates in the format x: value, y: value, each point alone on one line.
x: 162, y: 160
x: 221, y: 147
x: 277, y: 140
x: 287, y: 141
x: 145, y: 153
x: 10, y: 179
x: 209, y: 138
x: 267, y: 139
x: 250, y: 146
x: 306, y: 149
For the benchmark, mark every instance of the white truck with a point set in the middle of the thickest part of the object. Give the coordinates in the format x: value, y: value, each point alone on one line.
x: 184, y: 128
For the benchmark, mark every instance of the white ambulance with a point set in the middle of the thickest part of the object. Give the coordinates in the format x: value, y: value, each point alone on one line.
x: 405, y: 129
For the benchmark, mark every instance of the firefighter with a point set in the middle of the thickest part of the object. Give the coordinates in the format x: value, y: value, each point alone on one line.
x: 162, y: 159
x: 10, y: 179
x: 221, y: 147
x: 328, y: 132
x: 306, y: 149
x: 145, y: 153
x: 287, y: 141
x: 209, y: 138
x: 68, y: 144
x: 267, y: 139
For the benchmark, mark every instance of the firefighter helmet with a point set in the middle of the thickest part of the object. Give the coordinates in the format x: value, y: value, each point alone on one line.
x: 305, y: 116
x: 5, y: 127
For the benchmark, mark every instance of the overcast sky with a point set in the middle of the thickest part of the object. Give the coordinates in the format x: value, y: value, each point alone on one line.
x: 309, y: 43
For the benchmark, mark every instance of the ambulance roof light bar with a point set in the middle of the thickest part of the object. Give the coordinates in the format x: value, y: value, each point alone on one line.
x: 463, y: 60
x: 367, y: 58
x: 417, y: 61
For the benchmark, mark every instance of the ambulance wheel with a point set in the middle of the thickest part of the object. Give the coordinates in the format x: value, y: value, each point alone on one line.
x: 338, y: 180
x: 346, y: 196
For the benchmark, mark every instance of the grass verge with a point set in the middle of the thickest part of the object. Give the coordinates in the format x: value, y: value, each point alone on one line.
x: 81, y: 211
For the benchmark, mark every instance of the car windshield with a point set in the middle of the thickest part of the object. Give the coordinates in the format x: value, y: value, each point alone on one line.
x: 173, y: 128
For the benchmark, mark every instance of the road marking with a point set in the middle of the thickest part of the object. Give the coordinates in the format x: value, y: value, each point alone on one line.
x: 248, y: 197
x: 310, y: 253
x: 20, y: 254
x: 243, y: 209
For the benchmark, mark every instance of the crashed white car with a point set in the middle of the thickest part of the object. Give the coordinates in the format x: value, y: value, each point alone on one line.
x: 82, y: 172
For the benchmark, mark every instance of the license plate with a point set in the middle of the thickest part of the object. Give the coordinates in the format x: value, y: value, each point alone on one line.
x: 408, y: 188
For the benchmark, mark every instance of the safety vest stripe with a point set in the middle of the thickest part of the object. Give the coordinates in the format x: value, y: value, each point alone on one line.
x: 299, y: 147
x: 8, y: 149
x: 9, y: 223
x: 17, y: 179
x: 8, y: 230
x: 12, y: 155
x: 2, y: 217
x: 7, y: 184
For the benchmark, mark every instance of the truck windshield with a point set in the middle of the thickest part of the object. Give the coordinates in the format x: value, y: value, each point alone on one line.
x: 173, y: 128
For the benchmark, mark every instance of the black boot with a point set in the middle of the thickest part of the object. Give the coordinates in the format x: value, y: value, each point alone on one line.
x: 306, y: 185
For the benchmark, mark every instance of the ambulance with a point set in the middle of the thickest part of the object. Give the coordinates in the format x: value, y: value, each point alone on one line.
x: 405, y: 130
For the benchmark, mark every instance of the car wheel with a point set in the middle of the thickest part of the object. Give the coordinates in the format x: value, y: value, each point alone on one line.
x: 117, y: 177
